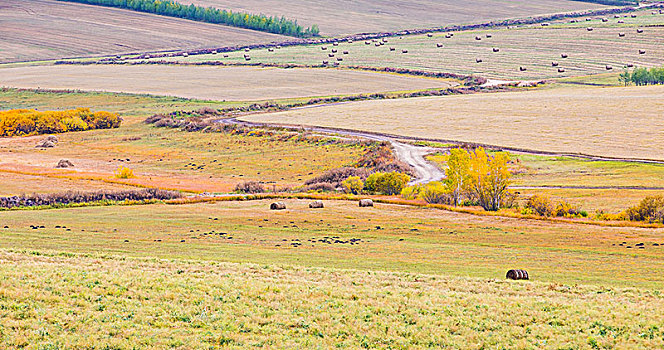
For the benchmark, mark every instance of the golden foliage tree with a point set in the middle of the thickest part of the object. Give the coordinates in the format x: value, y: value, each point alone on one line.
x: 488, y: 177
x: 22, y: 122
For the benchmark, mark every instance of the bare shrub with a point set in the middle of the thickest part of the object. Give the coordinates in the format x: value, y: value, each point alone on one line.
x: 320, y: 187
x: 86, y: 197
x: 336, y: 176
x: 250, y: 187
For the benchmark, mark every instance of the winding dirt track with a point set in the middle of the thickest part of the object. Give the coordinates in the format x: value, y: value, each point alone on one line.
x: 410, y: 154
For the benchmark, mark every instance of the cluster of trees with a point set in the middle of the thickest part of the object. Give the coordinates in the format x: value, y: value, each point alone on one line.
x: 21, y: 122
x: 388, y: 183
x: 643, y: 76
x: 473, y: 178
x: 211, y: 15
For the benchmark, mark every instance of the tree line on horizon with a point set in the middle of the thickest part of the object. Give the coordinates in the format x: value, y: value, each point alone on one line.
x: 643, y: 76
x: 272, y: 24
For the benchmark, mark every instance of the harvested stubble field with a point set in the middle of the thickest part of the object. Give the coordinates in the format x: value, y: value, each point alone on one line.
x: 532, y: 47
x: 48, y: 29
x: 620, y: 122
x: 213, y: 83
x: 369, y: 16
x: 342, y: 235
x: 156, y: 304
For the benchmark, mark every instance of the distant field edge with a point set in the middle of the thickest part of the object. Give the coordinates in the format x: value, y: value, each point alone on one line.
x: 454, y: 142
x: 212, y: 15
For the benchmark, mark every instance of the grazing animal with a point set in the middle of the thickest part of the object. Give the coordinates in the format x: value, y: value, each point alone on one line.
x: 278, y: 206
x: 316, y: 205
x: 366, y: 203
x: 517, y: 275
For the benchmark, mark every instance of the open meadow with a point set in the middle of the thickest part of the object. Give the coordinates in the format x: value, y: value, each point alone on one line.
x: 49, y: 29
x: 143, y: 205
x: 370, y: 16
x: 212, y: 83
x: 622, y: 122
x: 532, y: 47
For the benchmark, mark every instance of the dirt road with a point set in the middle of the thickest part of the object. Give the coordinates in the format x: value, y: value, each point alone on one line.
x: 410, y: 154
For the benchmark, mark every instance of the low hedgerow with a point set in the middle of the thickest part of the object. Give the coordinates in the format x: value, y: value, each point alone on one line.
x: 71, y: 197
x: 22, y: 122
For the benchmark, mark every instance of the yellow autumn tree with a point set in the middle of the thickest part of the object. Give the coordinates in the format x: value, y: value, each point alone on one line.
x: 488, y: 177
x: 456, y: 179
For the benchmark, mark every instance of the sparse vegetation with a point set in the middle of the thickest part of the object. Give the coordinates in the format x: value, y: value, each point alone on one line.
x: 386, y: 183
x: 650, y: 209
x: 74, y: 197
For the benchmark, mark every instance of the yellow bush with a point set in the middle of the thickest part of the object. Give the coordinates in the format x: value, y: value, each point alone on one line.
x: 21, y: 122
x: 124, y: 173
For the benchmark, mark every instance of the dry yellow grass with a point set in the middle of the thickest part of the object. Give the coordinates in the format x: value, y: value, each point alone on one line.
x: 213, y: 83
x: 615, y: 122
x: 349, y: 17
x: 47, y: 29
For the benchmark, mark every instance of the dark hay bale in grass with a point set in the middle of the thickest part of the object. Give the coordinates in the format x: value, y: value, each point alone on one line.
x: 489, y: 35
x: 366, y: 203
x: 495, y: 49
x: 429, y: 35
x: 345, y: 52
x: 392, y: 49
x: 278, y: 206
x: 633, y: 15
x: 478, y: 60
x: 339, y: 59
x: 330, y: 55
x: 404, y: 51
x: 608, y: 67
x: 270, y: 50
x: 45, y: 144
x: 642, y: 52
x: 367, y: 43
x: 544, y: 24
x: 616, y: 16
x: 561, y: 70
x: 246, y: 50
x: 605, y: 20
x: 316, y: 205
x: 517, y: 275
x: 64, y: 163
x: 639, y: 30
x: 478, y: 38
x: 523, y: 69
x: 247, y: 58
x: 439, y: 45
x: 590, y: 29
x: 225, y: 55
x: 629, y: 65
x: 325, y: 62
x: 621, y: 21
x: 377, y: 44
x: 447, y: 36
x: 563, y: 55
x: 621, y: 34
x: 554, y: 64
x: 336, y: 63
x: 323, y: 48
x: 335, y: 44
x: 334, y: 50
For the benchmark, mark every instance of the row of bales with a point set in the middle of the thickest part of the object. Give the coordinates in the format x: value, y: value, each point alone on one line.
x: 318, y: 204
x: 369, y: 36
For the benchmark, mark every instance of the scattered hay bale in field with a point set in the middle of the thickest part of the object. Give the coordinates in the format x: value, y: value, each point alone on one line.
x: 334, y: 50
x: 213, y: 52
x: 616, y: 16
x: 574, y: 21
x: 335, y: 44
x: 489, y: 35
x: 247, y: 58
x: 404, y: 51
x: 48, y: 142
x: 517, y: 275
x: 185, y: 55
x: 523, y: 69
x: 366, y: 203
x: 605, y: 20
x: 621, y: 21
x: 247, y: 50
x: 325, y: 62
x: 339, y: 59
x: 561, y: 70
x: 563, y: 55
x: 639, y: 30
x: 608, y: 67
x: 345, y: 52
x: 323, y: 48
x: 629, y: 65
x: 554, y: 64
x: 495, y: 49
x: 478, y: 38
x: 278, y: 206
x: 384, y: 40
x: 377, y: 44
x: 64, y: 163
x: 621, y: 34
x: 392, y: 48
x: 478, y: 60
x: 367, y: 43
x: 642, y: 52
x: 447, y: 36
x: 330, y: 55
x: 439, y: 45
x: 336, y: 63
x: 544, y: 24
x: 590, y: 29
x: 316, y: 205
x: 633, y: 15
x: 588, y: 19
x: 225, y: 55
x: 270, y: 50
x: 429, y: 35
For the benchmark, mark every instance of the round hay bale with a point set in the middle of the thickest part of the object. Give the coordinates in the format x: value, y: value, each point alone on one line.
x: 334, y: 50
x: 544, y: 24
x: 642, y: 52
x: 325, y: 62
x: 45, y: 144
x: 439, y: 45
x: 561, y: 70
x: 495, y: 49
x: 335, y: 44
x: 621, y: 34
x: 278, y: 206
x: 563, y: 55
x: 64, y: 163
x: 478, y: 60
x: 489, y: 35
x: 554, y: 64
x: 330, y: 55
x: 270, y: 50
x: 225, y: 55
x: 323, y: 48
x: 366, y: 203
x: 639, y: 30
x: 478, y: 38
x: 517, y: 275
x: 620, y: 21
x: 316, y: 205
x: 246, y: 50
x: 345, y: 52
x: 392, y: 48
x: 52, y: 138
x: 605, y: 20
x: 633, y: 15
x: 590, y: 29
x: 523, y: 69
x: 608, y: 67
x: 404, y: 51
x: 629, y: 65
x: 429, y: 35
x: 339, y: 59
